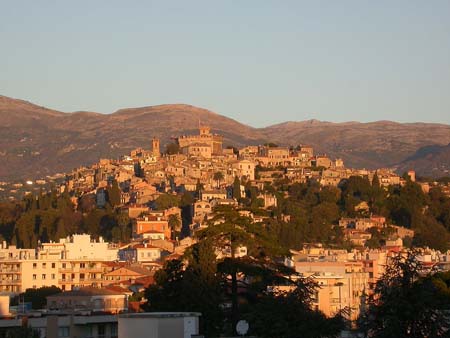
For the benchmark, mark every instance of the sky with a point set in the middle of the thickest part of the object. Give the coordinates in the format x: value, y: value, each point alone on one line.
x: 259, y: 62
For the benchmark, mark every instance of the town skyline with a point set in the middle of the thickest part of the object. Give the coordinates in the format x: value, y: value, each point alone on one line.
x: 180, y: 169
x: 145, y: 231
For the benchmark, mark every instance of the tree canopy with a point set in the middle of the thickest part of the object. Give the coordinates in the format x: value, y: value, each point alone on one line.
x: 408, y: 303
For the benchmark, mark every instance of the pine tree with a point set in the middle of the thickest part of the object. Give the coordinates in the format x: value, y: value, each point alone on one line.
x: 236, y: 188
x: 375, y: 181
x: 114, y: 194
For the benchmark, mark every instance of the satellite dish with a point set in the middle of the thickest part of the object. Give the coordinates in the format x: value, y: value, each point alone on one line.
x: 242, y: 327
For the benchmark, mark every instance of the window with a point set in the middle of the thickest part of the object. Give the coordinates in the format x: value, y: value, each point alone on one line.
x: 34, y: 265
x: 64, y: 265
x: 101, y: 329
x: 34, y: 277
x: 43, y: 276
x: 82, y: 265
x: 44, y: 265
x: 63, y: 331
x: 53, y: 276
x: 53, y: 265
x: 114, y: 331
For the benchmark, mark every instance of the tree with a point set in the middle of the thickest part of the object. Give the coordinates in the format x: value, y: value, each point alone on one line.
x: 25, y: 230
x: 38, y: 297
x: 166, y: 201
x: 357, y: 187
x: 175, y: 225
x: 236, y: 188
x: 194, y: 287
x: 199, y: 187
x: 114, y: 194
x: 375, y: 181
x: 228, y: 231
x: 289, y: 314
x: 172, y: 148
x: 218, y: 176
x: 405, y: 304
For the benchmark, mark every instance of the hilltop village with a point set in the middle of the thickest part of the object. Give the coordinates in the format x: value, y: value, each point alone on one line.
x: 165, y: 200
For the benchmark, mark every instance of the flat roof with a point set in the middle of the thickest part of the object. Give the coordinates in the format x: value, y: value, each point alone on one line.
x: 160, y: 315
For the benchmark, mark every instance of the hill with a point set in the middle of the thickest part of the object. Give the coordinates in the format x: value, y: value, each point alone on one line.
x: 429, y: 161
x: 369, y: 145
x: 36, y: 141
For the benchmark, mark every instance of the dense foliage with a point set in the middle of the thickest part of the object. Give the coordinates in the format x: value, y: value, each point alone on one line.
x: 407, y: 303
x: 305, y: 213
x: 38, y: 297
x: 49, y: 217
x: 226, y: 287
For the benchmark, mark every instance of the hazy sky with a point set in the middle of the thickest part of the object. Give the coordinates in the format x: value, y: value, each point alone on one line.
x: 260, y: 62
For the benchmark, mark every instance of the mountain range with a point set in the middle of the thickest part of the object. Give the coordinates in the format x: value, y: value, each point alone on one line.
x: 36, y: 141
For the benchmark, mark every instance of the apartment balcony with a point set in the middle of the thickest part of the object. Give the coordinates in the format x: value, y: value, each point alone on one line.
x: 67, y: 270
x: 67, y: 281
x: 9, y: 271
x: 91, y: 269
x: 81, y: 270
x: 89, y: 281
x: 10, y: 282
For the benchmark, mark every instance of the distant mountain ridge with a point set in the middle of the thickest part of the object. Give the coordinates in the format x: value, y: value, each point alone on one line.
x: 430, y: 161
x: 36, y: 141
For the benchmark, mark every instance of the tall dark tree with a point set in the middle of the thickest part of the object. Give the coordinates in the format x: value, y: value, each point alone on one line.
x: 228, y: 232
x: 114, y: 194
x: 375, y: 181
x: 237, y: 188
x: 194, y: 287
x: 405, y: 304
x: 218, y: 176
x: 175, y: 225
x: 289, y: 314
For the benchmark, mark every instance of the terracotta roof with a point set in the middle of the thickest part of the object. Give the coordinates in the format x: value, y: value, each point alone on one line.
x: 173, y: 256
x: 145, y: 281
x: 126, y: 270
x: 142, y: 246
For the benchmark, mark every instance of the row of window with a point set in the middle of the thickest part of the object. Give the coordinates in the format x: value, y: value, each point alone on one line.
x: 63, y: 276
x: 64, y: 265
x: 44, y: 276
x: 44, y: 265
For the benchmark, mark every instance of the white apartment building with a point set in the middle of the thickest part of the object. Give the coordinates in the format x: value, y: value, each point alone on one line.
x: 73, y: 262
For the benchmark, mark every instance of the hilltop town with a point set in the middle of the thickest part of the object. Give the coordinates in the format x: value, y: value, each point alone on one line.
x: 107, y: 229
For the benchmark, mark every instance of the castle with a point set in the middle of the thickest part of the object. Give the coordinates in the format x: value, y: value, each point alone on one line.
x: 205, y: 138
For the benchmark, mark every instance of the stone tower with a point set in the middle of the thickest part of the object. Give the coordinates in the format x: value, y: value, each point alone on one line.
x: 155, y: 147
x: 205, y: 130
